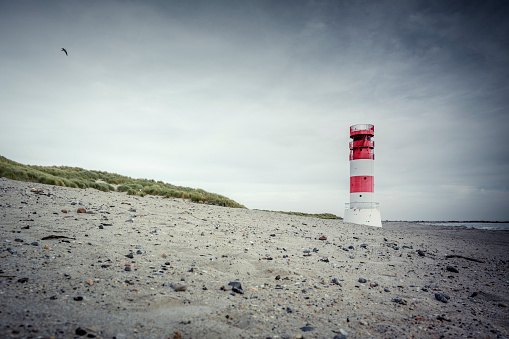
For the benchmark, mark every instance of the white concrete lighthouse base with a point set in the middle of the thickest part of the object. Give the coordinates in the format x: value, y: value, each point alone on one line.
x: 363, y: 216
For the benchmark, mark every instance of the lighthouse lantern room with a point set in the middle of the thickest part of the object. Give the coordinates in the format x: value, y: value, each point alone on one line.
x: 362, y: 209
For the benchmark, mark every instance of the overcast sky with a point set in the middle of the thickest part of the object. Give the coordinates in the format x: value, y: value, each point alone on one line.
x: 253, y: 99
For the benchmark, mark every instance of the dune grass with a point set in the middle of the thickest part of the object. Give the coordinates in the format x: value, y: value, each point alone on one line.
x: 80, y: 178
x: 310, y: 215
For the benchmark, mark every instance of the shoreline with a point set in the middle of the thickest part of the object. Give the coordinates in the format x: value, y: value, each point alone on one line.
x: 150, y: 267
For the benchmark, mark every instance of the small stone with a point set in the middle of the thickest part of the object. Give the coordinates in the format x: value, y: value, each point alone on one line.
x: 11, y: 250
x: 307, y: 328
x: 442, y: 297
x: 90, y: 282
x: 236, y: 287
x: 363, y: 245
x: 130, y: 256
x: 127, y: 268
x: 63, y: 211
x: 81, y: 210
x: 502, y: 305
x: 452, y: 269
x: 323, y: 237
x: 164, y: 255
x: 78, y: 298
x: 421, y: 253
x: 19, y: 240
x: 178, y: 287
x: 81, y: 332
x: 35, y: 243
x: 399, y: 300
x: 362, y: 280
x: 335, y: 281
x: 373, y: 284
x: 23, y: 280
x: 47, y: 247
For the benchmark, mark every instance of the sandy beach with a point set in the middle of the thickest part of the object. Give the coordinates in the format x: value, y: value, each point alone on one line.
x: 149, y: 267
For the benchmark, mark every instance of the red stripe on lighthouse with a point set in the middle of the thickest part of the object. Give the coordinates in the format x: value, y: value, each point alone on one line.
x: 362, y: 183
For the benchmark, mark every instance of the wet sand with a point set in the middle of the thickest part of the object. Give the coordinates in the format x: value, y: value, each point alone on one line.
x: 133, y: 267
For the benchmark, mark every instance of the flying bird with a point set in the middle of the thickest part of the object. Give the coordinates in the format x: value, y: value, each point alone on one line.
x: 63, y: 50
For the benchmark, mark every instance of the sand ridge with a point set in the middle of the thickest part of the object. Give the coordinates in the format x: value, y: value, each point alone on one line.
x: 114, y: 271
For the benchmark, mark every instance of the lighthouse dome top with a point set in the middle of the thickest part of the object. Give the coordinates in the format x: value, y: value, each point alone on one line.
x: 366, y: 129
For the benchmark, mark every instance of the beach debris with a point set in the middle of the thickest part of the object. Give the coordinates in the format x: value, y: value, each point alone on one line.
x: 463, y: 257
x: 23, y: 280
x: 56, y: 237
x: 452, y: 269
x: 47, y: 247
x: 81, y: 210
x: 90, y: 282
x: 442, y: 297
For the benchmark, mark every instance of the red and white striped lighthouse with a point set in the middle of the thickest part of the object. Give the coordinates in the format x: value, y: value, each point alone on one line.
x: 362, y: 209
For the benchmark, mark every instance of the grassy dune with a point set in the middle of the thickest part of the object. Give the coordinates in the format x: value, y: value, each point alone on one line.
x: 80, y: 178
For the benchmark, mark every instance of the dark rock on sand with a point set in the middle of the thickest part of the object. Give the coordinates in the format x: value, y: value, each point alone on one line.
x: 452, y: 269
x: 442, y: 297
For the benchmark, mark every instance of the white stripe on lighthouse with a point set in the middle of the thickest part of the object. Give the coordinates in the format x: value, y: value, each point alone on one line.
x: 362, y: 167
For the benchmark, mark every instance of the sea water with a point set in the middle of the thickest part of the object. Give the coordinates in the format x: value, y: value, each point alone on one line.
x: 499, y: 226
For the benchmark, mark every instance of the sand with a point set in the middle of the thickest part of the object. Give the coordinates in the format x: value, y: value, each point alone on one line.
x: 300, y: 277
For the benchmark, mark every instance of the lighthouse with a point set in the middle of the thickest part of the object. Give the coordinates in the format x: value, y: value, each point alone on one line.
x: 362, y: 209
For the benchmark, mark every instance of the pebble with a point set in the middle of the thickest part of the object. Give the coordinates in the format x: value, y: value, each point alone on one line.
x: 178, y: 287
x: 323, y: 237
x: 362, y: 280
x: 236, y: 287
x: 336, y: 281
x: 81, y: 210
x: 81, y: 332
x: 399, y: 300
x: 442, y: 297
x: 11, y: 250
x: 421, y: 253
x: 307, y: 328
x: 452, y: 269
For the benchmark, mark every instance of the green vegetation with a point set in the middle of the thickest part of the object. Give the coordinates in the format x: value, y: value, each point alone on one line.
x: 80, y: 178
x: 319, y: 215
